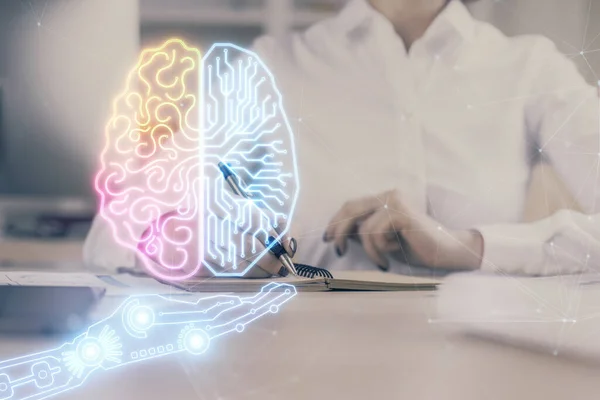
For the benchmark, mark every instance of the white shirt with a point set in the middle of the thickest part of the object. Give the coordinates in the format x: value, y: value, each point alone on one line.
x: 453, y: 125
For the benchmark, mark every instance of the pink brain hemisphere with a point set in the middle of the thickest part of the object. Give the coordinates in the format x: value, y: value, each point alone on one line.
x: 159, y: 186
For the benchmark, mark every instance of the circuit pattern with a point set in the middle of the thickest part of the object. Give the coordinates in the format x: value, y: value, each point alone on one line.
x: 159, y: 185
x: 142, y: 328
x: 246, y: 127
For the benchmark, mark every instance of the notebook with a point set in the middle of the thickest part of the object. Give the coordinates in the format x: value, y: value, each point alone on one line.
x: 365, y: 281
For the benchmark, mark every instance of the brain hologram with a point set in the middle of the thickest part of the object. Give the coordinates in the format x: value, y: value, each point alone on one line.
x: 160, y: 188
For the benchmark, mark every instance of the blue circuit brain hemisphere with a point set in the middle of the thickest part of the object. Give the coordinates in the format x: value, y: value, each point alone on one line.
x: 245, y: 126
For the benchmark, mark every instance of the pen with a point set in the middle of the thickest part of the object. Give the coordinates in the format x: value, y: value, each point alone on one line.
x: 276, y: 249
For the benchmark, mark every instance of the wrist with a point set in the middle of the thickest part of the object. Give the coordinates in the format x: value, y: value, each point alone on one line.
x: 467, y: 252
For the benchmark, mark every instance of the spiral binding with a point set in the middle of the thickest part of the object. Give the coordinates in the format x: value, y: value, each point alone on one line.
x: 307, y: 271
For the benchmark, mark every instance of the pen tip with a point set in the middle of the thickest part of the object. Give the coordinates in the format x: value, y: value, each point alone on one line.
x: 225, y: 170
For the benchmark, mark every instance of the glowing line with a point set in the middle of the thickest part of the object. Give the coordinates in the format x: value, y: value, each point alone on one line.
x: 150, y: 141
x: 123, y: 338
x: 179, y: 115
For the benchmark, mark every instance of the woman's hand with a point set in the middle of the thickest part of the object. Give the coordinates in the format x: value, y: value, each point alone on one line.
x: 386, y: 225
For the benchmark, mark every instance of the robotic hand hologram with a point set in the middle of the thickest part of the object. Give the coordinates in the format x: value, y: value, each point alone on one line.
x: 142, y: 328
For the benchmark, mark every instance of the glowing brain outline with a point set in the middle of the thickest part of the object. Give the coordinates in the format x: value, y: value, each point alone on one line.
x: 158, y: 168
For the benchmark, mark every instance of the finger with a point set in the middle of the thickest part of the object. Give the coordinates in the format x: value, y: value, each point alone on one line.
x: 347, y: 219
x: 281, y: 224
x: 266, y: 260
x: 289, y: 244
x: 350, y: 212
x: 393, y: 241
x: 373, y: 237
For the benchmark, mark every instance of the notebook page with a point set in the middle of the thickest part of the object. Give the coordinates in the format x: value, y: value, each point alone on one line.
x: 383, y: 277
x: 343, y: 280
x: 215, y: 284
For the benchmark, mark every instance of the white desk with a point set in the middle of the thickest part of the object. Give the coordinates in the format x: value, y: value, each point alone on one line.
x: 342, y: 346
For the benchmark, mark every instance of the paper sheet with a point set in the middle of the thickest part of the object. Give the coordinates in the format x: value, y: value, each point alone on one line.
x: 24, y: 278
x: 115, y: 285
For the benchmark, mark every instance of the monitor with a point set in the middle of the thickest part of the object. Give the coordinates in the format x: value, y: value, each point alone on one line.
x: 61, y: 64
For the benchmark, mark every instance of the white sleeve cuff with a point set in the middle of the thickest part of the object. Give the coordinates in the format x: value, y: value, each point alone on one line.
x: 101, y: 250
x: 514, y: 248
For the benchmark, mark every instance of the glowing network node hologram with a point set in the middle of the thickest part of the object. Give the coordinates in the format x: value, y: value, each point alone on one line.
x: 159, y: 185
x: 142, y: 328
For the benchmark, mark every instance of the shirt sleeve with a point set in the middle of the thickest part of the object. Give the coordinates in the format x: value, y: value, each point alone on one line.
x: 101, y: 250
x: 563, y: 119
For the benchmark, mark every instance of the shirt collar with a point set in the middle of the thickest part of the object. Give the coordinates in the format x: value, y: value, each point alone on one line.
x: 455, y: 18
x: 355, y: 15
x: 454, y: 22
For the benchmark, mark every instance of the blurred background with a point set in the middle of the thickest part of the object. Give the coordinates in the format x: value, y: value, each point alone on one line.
x: 63, y: 61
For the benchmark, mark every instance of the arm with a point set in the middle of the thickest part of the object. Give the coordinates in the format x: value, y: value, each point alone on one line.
x: 563, y: 118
